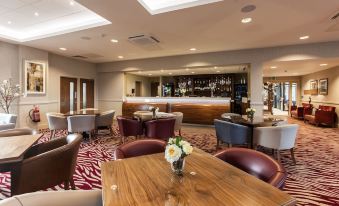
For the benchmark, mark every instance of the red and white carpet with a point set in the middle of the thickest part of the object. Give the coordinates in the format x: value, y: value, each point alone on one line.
x: 314, y: 180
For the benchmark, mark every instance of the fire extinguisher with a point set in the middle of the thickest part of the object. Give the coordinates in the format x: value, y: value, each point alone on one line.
x: 34, y: 114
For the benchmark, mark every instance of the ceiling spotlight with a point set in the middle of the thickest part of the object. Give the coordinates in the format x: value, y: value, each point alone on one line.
x: 193, y: 49
x: 120, y: 57
x: 162, y: 70
x: 273, y: 67
x: 218, y: 71
x: 149, y: 74
x: 323, y: 65
x: 192, y: 72
x: 36, y: 14
x: 187, y: 69
x: 215, y: 67
x: 71, y: 3
x: 246, y: 20
x: 114, y: 41
x: 170, y: 73
x: 63, y: 49
x: 9, y: 22
x: 304, y: 37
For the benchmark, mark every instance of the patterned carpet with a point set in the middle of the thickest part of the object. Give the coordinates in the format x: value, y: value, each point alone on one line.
x: 314, y: 180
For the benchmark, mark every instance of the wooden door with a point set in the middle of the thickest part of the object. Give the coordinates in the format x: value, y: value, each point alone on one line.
x: 86, y: 93
x: 154, y: 89
x: 68, y: 94
x: 138, y: 89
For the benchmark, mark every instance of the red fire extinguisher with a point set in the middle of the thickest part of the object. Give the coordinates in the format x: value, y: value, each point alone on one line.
x: 34, y: 114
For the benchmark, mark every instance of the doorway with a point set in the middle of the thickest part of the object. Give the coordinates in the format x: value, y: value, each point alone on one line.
x: 138, y: 89
x: 68, y: 94
x: 86, y: 93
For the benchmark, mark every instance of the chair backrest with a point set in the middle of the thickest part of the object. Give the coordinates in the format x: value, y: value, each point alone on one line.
x: 232, y: 133
x: 327, y: 108
x: 105, y: 119
x: 279, y: 137
x: 17, y: 132
x: 81, y: 123
x: 178, y: 120
x: 7, y: 118
x: 56, y: 121
x: 160, y: 128
x: 139, y: 148
x: 129, y: 126
x: 255, y: 163
x: 307, y: 105
x: 46, y: 164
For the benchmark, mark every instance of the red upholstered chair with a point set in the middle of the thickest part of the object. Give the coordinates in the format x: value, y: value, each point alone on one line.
x: 324, y: 115
x: 139, y: 148
x: 299, y: 112
x: 255, y: 163
x: 129, y: 127
x: 160, y: 128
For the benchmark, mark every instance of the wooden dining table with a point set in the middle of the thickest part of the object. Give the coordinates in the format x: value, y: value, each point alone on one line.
x: 148, y: 180
x: 14, y: 147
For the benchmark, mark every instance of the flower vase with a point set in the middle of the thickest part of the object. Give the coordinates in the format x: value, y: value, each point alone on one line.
x: 154, y: 116
x: 178, y: 166
x: 250, y: 116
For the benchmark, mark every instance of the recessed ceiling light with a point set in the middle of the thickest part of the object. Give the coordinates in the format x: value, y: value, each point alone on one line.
x: 192, y: 72
x: 273, y: 67
x: 150, y: 74
x: 218, y: 71
x: 295, y: 73
x: 71, y: 3
x: 193, y: 49
x: 304, y: 37
x: 120, y: 57
x: 114, y: 41
x: 162, y: 70
x: 215, y: 67
x: 246, y: 20
x: 323, y: 65
x: 62, y: 48
x: 187, y: 69
x: 170, y: 73
x: 9, y: 22
x: 36, y: 14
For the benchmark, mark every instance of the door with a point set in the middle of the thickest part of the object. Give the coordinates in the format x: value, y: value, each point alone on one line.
x: 138, y: 89
x: 154, y: 89
x: 68, y: 94
x: 86, y: 93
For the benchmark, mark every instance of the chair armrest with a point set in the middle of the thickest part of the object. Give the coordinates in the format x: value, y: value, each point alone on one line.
x: 44, y: 147
x: 308, y: 110
x: 7, y: 126
x: 293, y: 108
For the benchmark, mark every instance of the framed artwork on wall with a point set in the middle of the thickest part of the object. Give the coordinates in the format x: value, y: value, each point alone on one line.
x: 35, y: 77
x: 323, y: 86
x: 313, y: 84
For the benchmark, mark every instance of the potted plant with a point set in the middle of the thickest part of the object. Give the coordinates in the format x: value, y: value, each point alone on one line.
x: 8, y: 93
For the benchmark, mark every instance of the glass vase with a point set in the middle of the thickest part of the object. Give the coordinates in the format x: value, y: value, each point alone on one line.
x: 178, y: 166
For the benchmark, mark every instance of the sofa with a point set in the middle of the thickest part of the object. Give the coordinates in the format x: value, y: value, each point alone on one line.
x: 56, y: 198
x: 325, y: 115
x: 300, y: 112
x: 7, y: 121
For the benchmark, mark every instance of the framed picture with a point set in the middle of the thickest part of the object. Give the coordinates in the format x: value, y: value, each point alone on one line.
x: 323, y: 86
x: 35, y: 77
x: 313, y: 84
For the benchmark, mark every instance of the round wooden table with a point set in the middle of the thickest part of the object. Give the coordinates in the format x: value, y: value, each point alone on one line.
x: 147, y: 115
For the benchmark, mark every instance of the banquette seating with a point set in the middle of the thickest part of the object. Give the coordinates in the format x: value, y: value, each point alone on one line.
x: 255, y: 163
x: 300, y: 112
x: 323, y: 115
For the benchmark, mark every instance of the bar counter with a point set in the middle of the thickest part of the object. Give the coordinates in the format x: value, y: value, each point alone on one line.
x: 196, y: 110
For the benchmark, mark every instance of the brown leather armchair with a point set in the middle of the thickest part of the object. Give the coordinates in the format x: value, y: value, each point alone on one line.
x: 46, y: 165
x: 324, y: 115
x: 255, y: 163
x: 300, y: 112
x: 160, y: 128
x: 139, y: 148
x: 129, y: 127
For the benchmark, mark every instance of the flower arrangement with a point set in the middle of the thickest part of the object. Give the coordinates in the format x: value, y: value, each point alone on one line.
x: 8, y: 93
x: 176, y: 151
x: 154, y: 111
x: 250, y: 112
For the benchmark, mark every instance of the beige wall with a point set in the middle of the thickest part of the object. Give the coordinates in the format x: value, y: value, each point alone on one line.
x: 332, y: 99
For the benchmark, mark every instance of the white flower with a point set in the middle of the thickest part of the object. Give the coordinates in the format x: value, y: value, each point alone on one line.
x: 171, y: 141
x: 172, y: 153
x: 5, y: 81
x: 187, y: 148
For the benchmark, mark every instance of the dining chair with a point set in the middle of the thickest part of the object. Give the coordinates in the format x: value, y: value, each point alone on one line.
x: 232, y: 134
x: 255, y: 163
x: 160, y: 128
x: 56, y: 122
x: 129, y: 127
x: 56, y: 198
x: 178, y: 121
x: 47, y: 164
x: 81, y: 123
x: 139, y: 148
x: 7, y: 121
x: 105, y: 121
x: 277, y: 138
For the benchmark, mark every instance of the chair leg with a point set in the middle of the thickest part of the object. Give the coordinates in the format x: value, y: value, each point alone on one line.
x: 292, y: 155
x: 72, y: 184
x: 111, y: 131
x: 51, y: 137
x: 278, y: 155
x: 66, y: 185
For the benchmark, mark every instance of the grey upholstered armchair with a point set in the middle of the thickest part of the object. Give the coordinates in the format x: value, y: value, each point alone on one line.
x: 105, y: 121
x: 232, y: 134
x: 56, y: 121
x: 7, y: 121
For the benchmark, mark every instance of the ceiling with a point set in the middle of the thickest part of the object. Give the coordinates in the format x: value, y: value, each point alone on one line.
x: 25, y: 20
x: 212, y: 27
x: 298, y: 67
x: 193, y: 71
